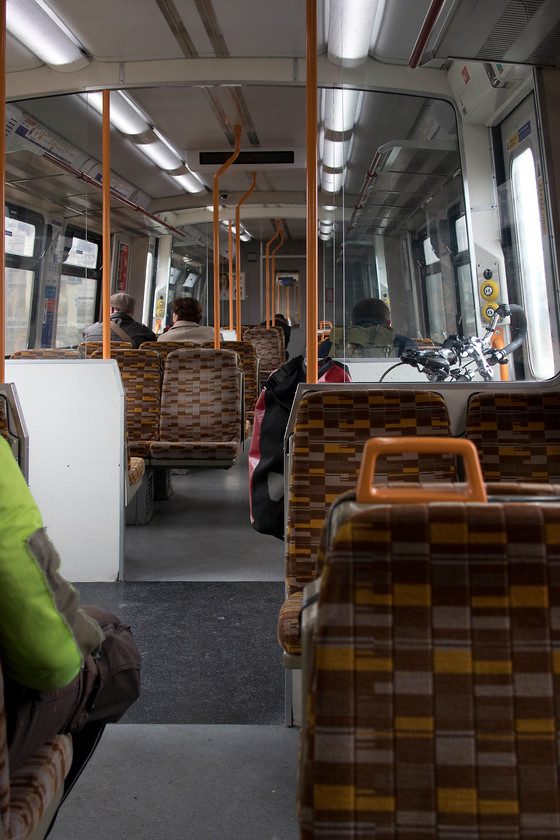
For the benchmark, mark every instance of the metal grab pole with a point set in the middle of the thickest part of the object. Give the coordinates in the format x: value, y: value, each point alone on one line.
x: 267, y: 251
x: 311, y: 162
x: 238, y: 257
x: 3, y: 188
x: 106, y: 280
x: 237, y: 134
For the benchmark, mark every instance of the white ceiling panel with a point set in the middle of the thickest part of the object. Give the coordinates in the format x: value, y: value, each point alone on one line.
x: 112, y: 30
x: 263, y: 27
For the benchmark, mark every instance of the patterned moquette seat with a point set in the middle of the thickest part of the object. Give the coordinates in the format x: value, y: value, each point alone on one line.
x: 517, y: 435
x: 269, y: 344
x: 331, y: 429
x: 141, y: 377
x: 200, y: 420
x: 46, y: 353
x: 434, y: 701
x: 88, y: 348
x: 247, y: 353
x: 29, y: 797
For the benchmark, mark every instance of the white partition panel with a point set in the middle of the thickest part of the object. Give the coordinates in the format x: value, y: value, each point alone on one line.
x: 74, y: 412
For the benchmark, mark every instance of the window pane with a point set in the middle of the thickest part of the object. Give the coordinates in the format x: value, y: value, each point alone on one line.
x: 532, y: 269
x: 19, y: 237
x: 461, y: 234
x: 19, y: 288
x: 76, y: 309
x: 82, y: 253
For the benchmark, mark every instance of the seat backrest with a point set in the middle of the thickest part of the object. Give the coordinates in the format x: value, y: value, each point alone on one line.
x: 269, y: 344
x: 141, y: 377
x: 201, y: 396
x: 88, y: 348
x: 28, y: 797
x: 247, y: 353
x: 517, y: 434
x: 330, y: 432
x: 46, y: 353
x: 434, y: 698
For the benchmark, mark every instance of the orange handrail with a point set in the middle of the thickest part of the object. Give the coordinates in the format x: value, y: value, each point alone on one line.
x: 273, y: 280
x: 311, y: 163
x: 498, y: 344
x: 238, y: 256
x: 106, y: 225
x: 237, y: 134
x: 230, y: 252
x: 472, y: 491
x: 267, y: 256
x: 2, y: 188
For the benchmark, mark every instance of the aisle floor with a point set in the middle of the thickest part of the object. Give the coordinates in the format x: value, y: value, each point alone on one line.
x: 203, y: 753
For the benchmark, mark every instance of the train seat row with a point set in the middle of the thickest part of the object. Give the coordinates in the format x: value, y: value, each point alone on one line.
x: 430, y: 677
x: 517, y: 436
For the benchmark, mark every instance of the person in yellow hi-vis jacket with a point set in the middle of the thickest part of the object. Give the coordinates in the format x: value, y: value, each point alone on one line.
x: 66, y: 668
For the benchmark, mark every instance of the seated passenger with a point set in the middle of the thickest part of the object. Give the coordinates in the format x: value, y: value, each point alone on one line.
x: 122, y: 310
x: 187, y: 314
x: 66, y: 668
x: 369, y: 335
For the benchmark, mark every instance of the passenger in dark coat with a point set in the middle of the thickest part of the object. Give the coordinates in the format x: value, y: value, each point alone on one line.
x: 122, y: 310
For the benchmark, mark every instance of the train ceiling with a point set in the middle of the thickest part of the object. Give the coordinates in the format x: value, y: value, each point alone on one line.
x: 196, y: 115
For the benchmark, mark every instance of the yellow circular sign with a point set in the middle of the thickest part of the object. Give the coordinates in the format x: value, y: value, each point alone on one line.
x: 488, y: 312
x: 489, y: 290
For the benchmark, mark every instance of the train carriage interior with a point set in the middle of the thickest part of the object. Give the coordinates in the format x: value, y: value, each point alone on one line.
x: 263, y: 158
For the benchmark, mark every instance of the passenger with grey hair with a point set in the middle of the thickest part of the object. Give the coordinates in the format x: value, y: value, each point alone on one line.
x: 122, y: 309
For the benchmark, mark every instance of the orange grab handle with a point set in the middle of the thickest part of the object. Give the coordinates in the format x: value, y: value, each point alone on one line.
x: 472, y: 491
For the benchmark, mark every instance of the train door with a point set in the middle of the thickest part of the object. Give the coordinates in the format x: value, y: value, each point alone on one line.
x: 526, y: 237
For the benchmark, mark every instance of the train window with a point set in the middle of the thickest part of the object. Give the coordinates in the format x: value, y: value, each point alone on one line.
x: 19, y: 236
x: 24, y: 236
x: 527, y: 223
x: 19, y: 295
x: 82, y: 253
x: 79, y: 289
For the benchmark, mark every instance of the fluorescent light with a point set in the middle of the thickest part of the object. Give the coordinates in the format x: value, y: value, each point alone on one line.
x: 160, y: 154
x: 189, y: 182
x: 123, y: 115
x: 331, y: 181
x: 334, y: 153
x: 350, y: 28
x: 245, y: 236
x: 340, y: 108
x: 37, y: 26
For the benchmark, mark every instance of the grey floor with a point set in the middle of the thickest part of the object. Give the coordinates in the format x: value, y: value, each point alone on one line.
x: 203, y: 753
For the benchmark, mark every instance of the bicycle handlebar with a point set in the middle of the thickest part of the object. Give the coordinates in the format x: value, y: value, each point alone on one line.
x: 437, y: 363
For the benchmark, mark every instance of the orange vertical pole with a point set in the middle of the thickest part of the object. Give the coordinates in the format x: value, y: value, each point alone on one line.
x: 230, y: 275
x: 272, y: 297
x: 106, y: 280
x: 311, y: 163
x: 238, y: 256
x: 2, y: 188
x: 267, y: 252
x: 498, y: 343
x: 222, y: 169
